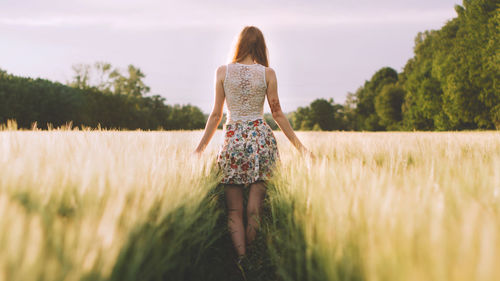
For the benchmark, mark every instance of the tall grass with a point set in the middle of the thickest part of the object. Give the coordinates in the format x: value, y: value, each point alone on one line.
x: 115, y: 205
x: 101, y: 205
x: 389, y: 206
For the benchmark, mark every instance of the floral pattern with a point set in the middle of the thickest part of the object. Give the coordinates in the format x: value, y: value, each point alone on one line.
x: 249, y: 152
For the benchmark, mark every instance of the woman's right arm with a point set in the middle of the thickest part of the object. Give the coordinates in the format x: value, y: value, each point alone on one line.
x: 278, y: 115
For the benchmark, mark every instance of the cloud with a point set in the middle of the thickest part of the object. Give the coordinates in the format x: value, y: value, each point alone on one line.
x: 200, y: 18
x: 161, y: 14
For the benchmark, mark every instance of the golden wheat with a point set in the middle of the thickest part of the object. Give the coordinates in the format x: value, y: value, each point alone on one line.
x: 373, y: 206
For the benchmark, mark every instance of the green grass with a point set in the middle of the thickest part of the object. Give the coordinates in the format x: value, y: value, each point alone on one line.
x: 108, y: 205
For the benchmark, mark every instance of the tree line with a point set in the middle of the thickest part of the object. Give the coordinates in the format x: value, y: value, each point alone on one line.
x: 98, y: 96
x: 451, y: 83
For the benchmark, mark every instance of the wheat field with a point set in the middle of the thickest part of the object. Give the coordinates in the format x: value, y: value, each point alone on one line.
x: 81, y: 204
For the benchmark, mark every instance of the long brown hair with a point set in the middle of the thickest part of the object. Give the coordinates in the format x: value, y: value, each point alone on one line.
x: 251, y: 42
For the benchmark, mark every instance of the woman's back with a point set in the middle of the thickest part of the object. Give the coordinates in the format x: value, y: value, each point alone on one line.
x: 245, y: 89
x: 249, y: 154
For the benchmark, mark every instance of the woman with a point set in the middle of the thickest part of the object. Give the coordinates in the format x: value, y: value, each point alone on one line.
x: 249, y: 153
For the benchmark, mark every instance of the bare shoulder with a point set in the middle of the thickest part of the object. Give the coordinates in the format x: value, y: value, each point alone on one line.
x: 270, y: 72
x: 221, y: 68
x: 221, y: 71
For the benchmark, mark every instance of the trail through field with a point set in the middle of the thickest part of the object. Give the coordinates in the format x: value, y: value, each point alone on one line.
x: 208, y: 257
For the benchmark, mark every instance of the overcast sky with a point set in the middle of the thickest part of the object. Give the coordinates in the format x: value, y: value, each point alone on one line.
x: 318, y: 48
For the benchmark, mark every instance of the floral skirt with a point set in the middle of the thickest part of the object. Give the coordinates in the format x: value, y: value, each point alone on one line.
x: 249, y: 152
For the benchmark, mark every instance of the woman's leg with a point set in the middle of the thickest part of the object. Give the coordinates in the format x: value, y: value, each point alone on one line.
x: 234, y: 200
x: 254, y: 207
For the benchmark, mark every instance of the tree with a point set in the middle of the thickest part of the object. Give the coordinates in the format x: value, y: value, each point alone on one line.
x: 366, y: 116
x: 131, y: 85
x: 301, y: 119
x: 103, y: 77
x: 452, y: 81
x: 90, y: 102
x: 348, y: 112
x: 388, y: 106
x: 81, y: 76
x: 322, y: 113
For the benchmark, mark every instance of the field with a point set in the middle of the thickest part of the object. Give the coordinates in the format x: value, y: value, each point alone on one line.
x: 135, y: 205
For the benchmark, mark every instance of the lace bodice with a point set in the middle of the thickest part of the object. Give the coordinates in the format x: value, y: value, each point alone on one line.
x: 245, y: 88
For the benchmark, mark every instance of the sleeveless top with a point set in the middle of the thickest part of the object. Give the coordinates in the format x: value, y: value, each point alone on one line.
x: 245, y: 89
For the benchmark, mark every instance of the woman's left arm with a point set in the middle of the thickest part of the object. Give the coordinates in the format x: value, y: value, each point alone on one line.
x: 216, y: 115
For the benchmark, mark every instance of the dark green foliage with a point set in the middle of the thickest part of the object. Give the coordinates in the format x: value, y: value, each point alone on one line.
x: 452, y: 82
x: 388, y: 106
x: 301, y: 119
x: 366, y: 115
x: 321, y: 114
x: 363, y: 110
x: 29, y: 100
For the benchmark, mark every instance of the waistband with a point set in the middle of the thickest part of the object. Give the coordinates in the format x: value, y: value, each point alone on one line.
x: 237, y: 123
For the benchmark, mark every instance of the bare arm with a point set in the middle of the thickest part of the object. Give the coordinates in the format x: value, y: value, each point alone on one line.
x: 278, y: 115
x: 216, y: 115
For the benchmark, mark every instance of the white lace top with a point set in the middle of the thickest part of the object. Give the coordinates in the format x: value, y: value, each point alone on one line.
x: 245, y: 88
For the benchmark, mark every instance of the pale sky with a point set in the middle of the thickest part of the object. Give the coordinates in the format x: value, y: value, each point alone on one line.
x: 318, y: 48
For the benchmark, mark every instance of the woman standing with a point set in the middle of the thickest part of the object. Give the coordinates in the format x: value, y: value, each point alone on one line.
x: 249, y: 153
